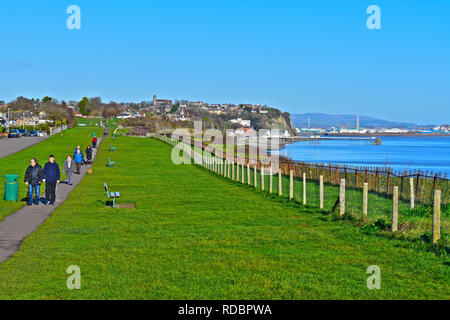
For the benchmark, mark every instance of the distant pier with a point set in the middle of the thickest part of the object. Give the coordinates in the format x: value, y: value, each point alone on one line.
x: 318, y: 139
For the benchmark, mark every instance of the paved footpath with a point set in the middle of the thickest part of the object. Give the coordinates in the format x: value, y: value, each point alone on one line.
x: 16, y: 227
x: 9, y: 146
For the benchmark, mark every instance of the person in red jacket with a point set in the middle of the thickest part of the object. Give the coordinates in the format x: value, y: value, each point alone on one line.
x: 94, y: 142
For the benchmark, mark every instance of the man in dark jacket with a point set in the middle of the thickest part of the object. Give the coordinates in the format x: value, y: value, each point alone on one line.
x: 33, y: 179
x: 88, y: 154
x: 51, y: 177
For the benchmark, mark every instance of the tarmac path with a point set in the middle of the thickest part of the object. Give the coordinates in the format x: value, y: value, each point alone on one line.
x: 19, y: 225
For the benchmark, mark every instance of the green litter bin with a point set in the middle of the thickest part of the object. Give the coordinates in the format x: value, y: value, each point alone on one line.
x: 11, y: 188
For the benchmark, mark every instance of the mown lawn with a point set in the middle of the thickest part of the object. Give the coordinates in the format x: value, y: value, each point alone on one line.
x: 379, y: 205
x: 195, y: 235
x: 59, y: 145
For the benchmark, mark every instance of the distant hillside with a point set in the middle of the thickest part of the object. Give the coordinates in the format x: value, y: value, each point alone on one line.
x: 321, y: 120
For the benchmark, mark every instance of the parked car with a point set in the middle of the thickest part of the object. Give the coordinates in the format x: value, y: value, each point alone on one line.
x: 23, y: 132
x: 13, y: 133
x: 33, y: 133
x: 41, y: 134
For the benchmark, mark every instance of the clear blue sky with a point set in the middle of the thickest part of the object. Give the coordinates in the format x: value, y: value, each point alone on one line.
x: 300, y: 56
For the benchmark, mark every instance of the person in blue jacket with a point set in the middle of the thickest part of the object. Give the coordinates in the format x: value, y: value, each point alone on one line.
x: 51, y: 175
x: 78, y: 158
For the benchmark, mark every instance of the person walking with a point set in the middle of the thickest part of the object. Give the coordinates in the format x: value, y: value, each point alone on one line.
x: 88, y: 154
x: 69, y: 168
x: 94, y: 142
x: 33, y: 179
x: 78, y: 158
x: 52, y: 176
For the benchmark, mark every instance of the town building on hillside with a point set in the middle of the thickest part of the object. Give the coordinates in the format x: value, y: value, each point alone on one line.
x: 123, y: 116
x: 161, y: 102
x: 244, y: 132
x: 239, y: 121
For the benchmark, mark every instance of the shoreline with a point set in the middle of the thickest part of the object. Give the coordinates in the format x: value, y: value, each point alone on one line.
x: 286, y: 158
x: 387, y: 134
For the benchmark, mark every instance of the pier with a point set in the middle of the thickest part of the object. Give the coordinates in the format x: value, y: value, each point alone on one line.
x: 318, y: 139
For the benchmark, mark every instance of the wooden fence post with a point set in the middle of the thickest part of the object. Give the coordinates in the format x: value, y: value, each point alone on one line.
x: 291, y: 184
x: 342, y: 197
x: 243, y: 173
x: 413, y: 194
x: 280, y: 182
x: 229, y: 170
x: 262, y: 178
x: 232, y: 170
x: 255, y: 178
x: 365, y: 199
x: 225, y: 169
x: 271, y: 179
x: 437, y: 216
x: 321, y: 192
x: 395, y: 210
x: 248, y: 174
x: 237, y: 171
x: 304, y: 188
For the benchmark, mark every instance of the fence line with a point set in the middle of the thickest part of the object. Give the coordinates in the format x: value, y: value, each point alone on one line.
x: 356, y: 193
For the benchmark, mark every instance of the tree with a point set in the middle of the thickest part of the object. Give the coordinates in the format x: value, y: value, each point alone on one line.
x: 175, y: 107
x: 82, y: 106
x: 46, y: 99
x: 111, y: 110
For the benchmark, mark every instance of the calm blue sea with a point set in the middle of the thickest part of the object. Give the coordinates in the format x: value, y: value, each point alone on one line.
x: 399, y: 153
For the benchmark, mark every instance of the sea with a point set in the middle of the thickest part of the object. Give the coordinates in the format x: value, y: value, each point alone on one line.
x: 425, y: 153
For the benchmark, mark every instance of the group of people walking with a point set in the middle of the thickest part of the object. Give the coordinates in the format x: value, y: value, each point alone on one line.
x: 35, y: 175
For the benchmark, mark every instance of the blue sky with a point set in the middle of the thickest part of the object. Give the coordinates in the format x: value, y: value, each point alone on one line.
x: 298, y: 55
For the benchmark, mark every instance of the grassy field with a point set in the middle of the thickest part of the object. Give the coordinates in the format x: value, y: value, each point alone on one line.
x: 195, y: 235
x: 59, y: 145
x: 414, y: 224
x: 417, y: 221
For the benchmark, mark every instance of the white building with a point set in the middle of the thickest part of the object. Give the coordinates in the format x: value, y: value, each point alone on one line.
x: 239, y: 121
x: 124, y: 116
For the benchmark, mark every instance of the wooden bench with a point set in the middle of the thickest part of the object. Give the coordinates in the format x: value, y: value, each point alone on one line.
x: 112, y: 148
x: 112, y: 195
x: 110, y: 163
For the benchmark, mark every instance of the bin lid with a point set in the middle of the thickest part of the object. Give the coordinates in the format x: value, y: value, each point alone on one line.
x: 11, y: 177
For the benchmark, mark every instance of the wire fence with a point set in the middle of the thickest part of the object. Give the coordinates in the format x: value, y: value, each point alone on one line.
x: 414, y: 202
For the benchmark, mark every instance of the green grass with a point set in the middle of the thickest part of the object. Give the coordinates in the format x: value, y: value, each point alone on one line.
x: 59, y: 145
x: 195, y: 235
x: 418, y: 220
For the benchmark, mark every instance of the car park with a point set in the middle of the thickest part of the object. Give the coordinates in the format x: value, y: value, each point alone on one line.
x: 14, y: 133
x: 23, y: 132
